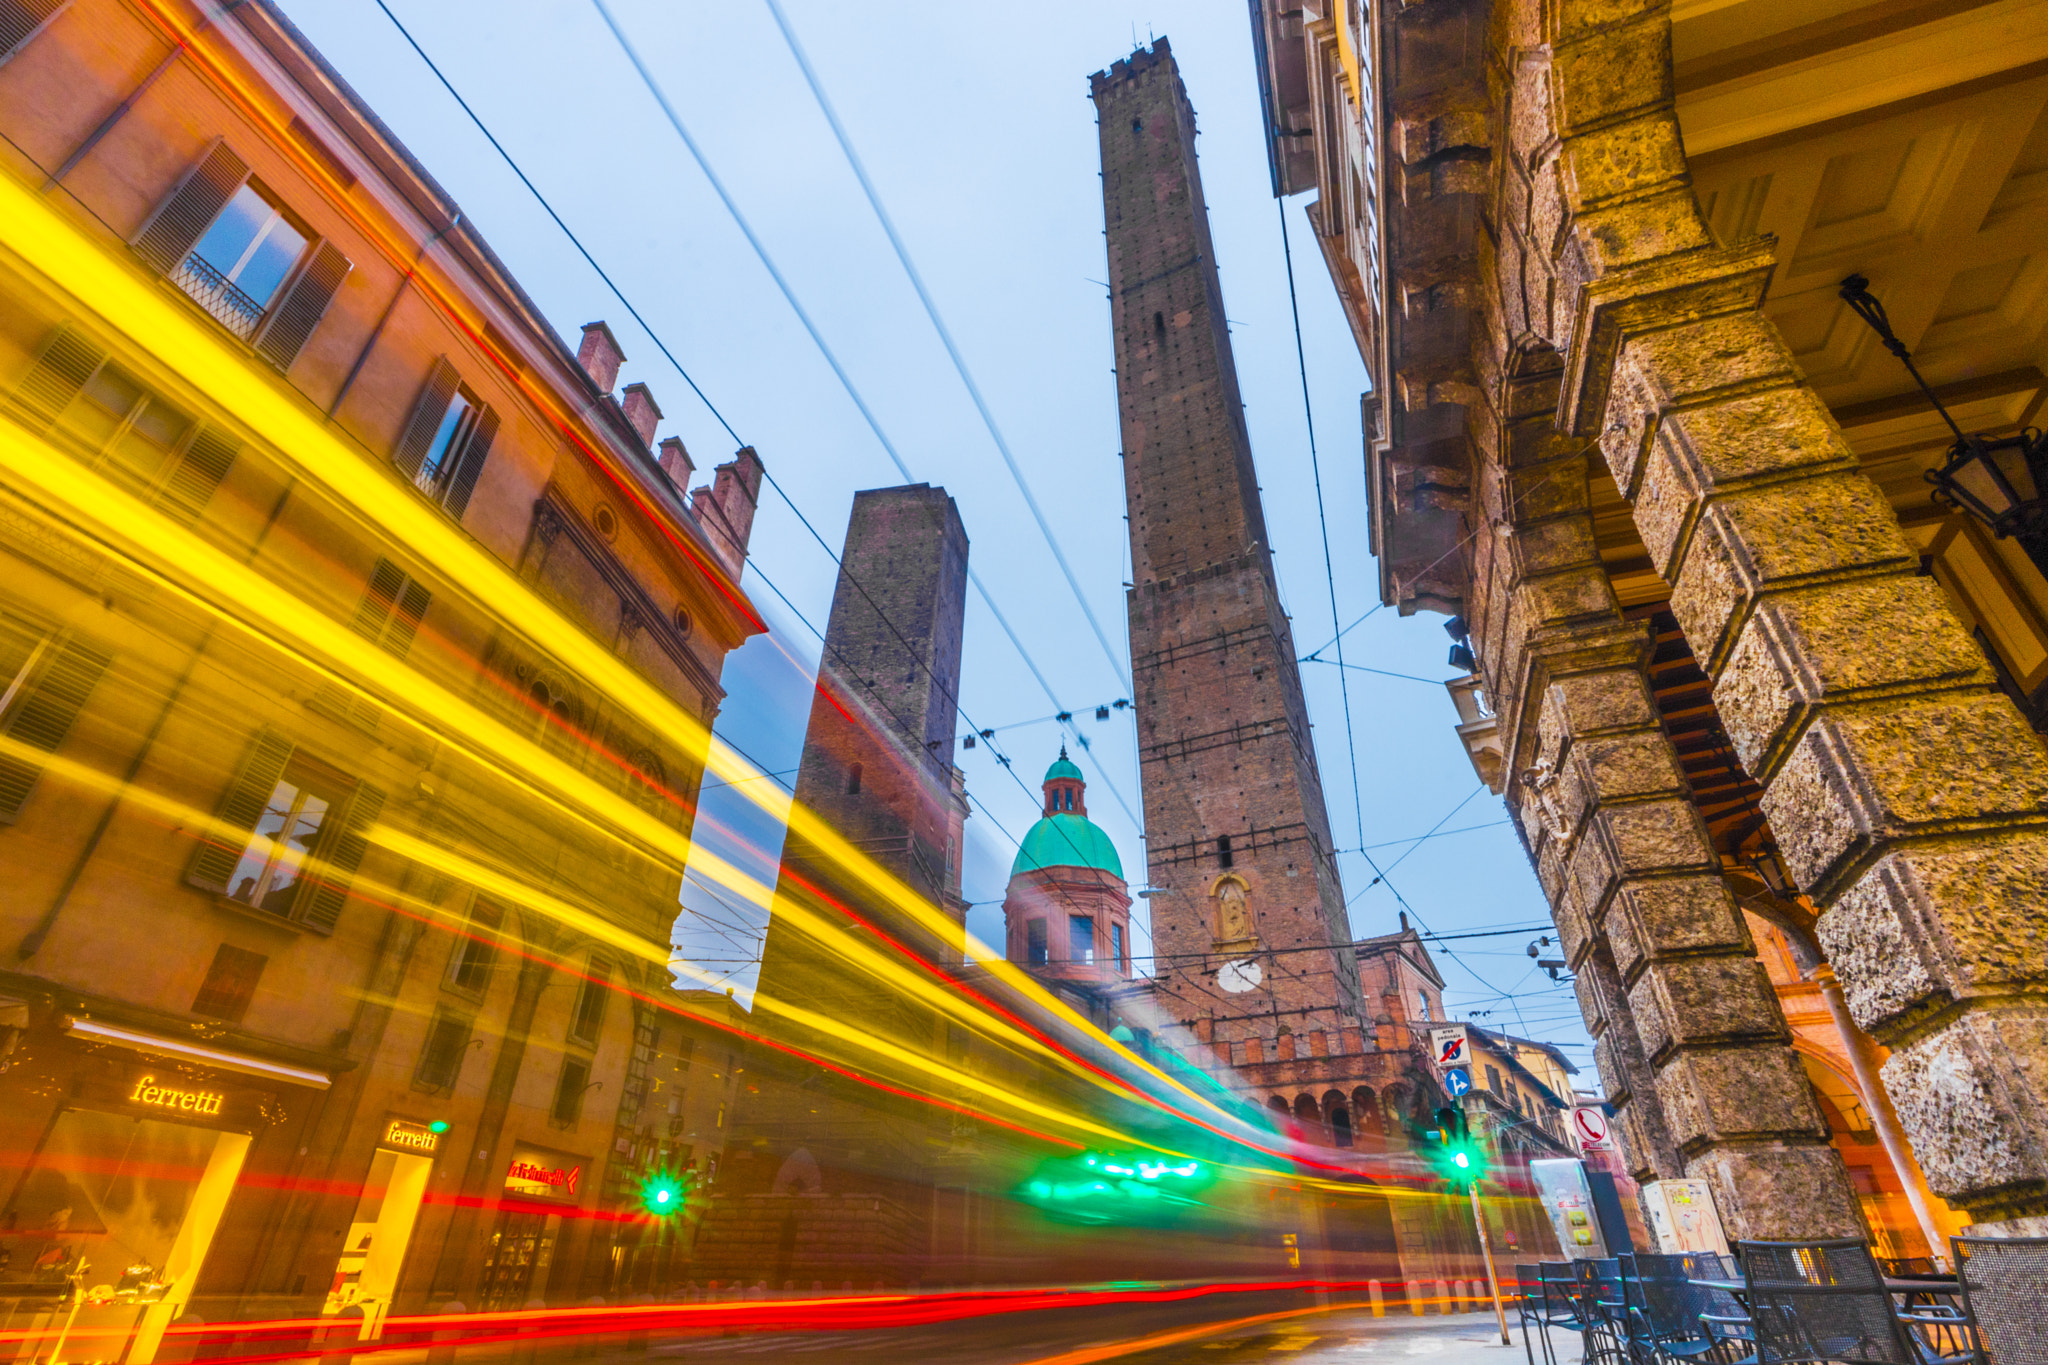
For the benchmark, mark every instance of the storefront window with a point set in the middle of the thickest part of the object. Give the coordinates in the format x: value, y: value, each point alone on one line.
x: 120, y: 1210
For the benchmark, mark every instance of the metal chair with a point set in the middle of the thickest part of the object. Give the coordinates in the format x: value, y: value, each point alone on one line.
x: 1599, y: 1297
x: 2005, y: 1296
x: 1720, y: 1313
x: 1529, y: 1311
x: 1666, y: 1308
x: 1558, y: 1299
x: 1825, y: 1301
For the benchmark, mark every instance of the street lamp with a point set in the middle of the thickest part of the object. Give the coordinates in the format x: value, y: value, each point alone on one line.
x: 1998, y: 480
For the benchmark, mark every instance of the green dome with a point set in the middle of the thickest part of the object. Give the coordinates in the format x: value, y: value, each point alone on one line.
x: 1066, y: 840
x: 1063, y: 767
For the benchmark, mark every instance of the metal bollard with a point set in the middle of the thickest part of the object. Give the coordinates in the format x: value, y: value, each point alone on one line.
x: 1415, y: 1304
x: 1443, y: 1298
x: 1379, y: 1303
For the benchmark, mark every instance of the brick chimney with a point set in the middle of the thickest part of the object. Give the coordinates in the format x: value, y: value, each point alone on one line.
x: 726, y: 509
x: 600, y: 356
x: 677, y: 461
x: 642, y: 412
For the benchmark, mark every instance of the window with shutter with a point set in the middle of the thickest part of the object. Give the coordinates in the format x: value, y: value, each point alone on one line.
x: 21, y: 20
x: 115, y: 424
x: 291, y: 322
x: 388, y: 615
x: 168, y: 235
x: 441, y: 1055
x: 446, y: 439
x: 591, y: 997
x: 45, y: 679
x: 230, y: 984
x: 476, y: 950
x: 290, y: 835
x: 238, y: 265
x: 570, y: 1087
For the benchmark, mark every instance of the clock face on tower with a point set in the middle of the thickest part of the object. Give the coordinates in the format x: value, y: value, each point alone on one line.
x: 1239, y: 977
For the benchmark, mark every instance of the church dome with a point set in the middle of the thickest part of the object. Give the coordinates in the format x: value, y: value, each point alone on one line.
x: 1065, y: 840
x: 1063, y: 769
x: 1065, y: 836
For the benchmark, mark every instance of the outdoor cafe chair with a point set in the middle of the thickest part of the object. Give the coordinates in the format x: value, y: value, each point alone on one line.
x: 1598, y: 1293
x: 1826, y: 1301
x: 2004, y: 1283
x: 1529, y: 1304
x: 1666, y: 1310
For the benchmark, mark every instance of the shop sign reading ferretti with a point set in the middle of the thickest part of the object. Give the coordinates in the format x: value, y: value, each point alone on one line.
x: 147, y: 1091
x: 412, y: 1137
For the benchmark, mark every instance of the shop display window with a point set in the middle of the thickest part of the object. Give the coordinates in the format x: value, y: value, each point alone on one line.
x: 116, y: 1214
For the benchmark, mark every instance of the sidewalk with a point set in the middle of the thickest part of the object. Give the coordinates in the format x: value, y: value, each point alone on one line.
x: 1357, y: 1336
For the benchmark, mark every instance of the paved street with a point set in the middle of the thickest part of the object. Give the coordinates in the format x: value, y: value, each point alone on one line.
x: 1175, y: 1334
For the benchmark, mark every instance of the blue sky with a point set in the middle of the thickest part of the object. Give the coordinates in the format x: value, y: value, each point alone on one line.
x: 975, y: 125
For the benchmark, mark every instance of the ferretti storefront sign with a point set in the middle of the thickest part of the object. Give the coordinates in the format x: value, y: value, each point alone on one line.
x: 543, y: 1175
x: 412, y: 1137
x: 148, y: 1092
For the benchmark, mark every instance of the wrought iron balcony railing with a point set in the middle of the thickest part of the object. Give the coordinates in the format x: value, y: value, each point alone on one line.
x: 218, y: 295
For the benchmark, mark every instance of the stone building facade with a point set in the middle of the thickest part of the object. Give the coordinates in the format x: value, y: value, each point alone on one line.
x: 357, y: 662
x: 1731, y: 657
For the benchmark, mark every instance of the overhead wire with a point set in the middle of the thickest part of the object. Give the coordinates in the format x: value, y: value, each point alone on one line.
x: 931, y: 309
x: 1322, y: 520
x: 789, y: 294
x: 839, y: 371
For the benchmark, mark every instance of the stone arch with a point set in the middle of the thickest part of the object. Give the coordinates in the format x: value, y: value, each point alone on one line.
x: 1366, y: 1118
x: 1309, y: 1115
x: 1337, y: 1118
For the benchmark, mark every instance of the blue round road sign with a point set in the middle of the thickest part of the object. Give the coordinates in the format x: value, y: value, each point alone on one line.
x: 1458, y: 1081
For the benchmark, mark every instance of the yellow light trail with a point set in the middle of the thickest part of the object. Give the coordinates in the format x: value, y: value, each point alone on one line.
x: 182, y: 342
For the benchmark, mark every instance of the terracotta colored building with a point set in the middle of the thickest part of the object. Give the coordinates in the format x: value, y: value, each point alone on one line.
x: 1631, y: 283
x: 357, y: 657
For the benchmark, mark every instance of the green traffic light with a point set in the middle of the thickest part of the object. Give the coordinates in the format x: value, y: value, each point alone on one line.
x: 1463, y: 1160
x: 662, y: 1194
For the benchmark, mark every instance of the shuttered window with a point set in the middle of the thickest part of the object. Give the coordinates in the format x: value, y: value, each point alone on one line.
x: 230, y: 984
x: 570, y: 1087
x: 117, y: 425
x: 441, y: 1055
x: 230, y: 244
x: 45, y: 678
x: 591, y: 997
x: 289, y: 837
x: 21, y: 20
x: 446, y: 439
x: 389, y: 615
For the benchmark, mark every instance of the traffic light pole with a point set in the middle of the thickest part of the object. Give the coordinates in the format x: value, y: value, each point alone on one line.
x: 1500, y: 1314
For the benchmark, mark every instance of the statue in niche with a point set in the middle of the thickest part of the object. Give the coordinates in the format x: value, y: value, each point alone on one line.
x: 1233, y: 913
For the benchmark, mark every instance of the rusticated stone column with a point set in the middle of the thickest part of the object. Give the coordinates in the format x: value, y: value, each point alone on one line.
x: 1624, y: 856
x: 1909, y: 798
x: 1625, y: 1072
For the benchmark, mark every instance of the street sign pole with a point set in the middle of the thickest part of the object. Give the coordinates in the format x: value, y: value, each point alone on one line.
x: 1500, y: 1314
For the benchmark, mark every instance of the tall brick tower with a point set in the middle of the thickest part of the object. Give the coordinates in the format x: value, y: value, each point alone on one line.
x: 1238, y: 840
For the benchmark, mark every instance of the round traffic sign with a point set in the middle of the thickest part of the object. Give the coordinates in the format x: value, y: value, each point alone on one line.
x: 1458, y: 1081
